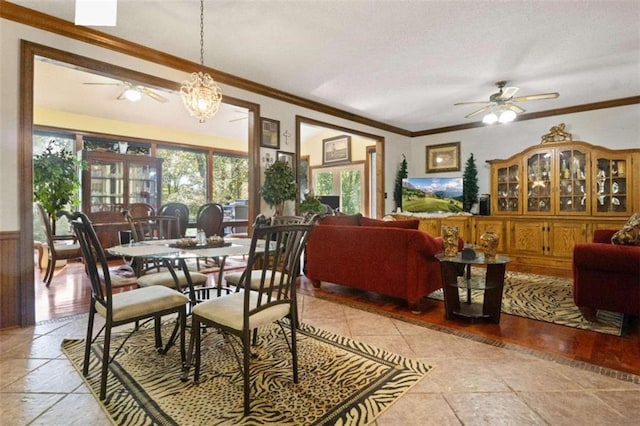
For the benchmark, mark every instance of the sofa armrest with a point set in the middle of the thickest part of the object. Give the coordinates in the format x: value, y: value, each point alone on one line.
x: 603, y: 235
x: 607, y: 257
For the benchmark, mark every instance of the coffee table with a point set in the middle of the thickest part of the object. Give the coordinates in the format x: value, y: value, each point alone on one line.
x: 491, y: 285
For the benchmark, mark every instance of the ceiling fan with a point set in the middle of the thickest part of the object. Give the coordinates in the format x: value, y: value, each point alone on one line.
x: 504, y: 101
x: 243, y: 116
x: 133, y: 92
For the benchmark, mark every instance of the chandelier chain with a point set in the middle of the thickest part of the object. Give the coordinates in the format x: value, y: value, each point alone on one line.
x: 202, y: 32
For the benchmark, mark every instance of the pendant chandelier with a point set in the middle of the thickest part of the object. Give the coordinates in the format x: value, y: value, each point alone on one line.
x: 200, y: 93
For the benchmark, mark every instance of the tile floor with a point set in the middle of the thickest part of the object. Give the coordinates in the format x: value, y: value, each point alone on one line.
x: 472, y: 383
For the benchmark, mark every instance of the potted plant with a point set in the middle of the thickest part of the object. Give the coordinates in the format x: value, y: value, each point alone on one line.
x: 279, y: 186
x: 56, y: 180
x: 397, y: 190
x: 469, y: 184
x: 311, y: 205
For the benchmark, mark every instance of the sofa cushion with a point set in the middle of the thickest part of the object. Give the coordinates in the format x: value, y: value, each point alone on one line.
x: 342, y: 220
x: 630, y: 232
x: 403, y: 224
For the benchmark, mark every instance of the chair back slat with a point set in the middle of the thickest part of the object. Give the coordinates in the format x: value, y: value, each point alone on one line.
x: 94, y: 258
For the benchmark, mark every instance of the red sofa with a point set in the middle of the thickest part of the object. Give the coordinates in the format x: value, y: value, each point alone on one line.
x: 606, y: 276
x: 392, y: 258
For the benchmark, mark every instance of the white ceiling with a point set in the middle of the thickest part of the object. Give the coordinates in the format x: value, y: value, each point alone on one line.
x: 403, y: 63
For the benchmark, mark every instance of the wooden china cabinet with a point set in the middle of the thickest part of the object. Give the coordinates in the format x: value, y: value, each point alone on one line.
x: 111, y: 183
x: 555, y: 194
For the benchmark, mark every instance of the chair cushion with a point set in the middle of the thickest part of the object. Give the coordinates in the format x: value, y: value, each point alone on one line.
x: 228, y: 311
x: 630, y: 232
x: 256, y: 276
x: 142, y: 302
x: 165, y: 279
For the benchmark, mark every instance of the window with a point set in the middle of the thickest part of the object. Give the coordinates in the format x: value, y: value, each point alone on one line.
x: 345, y: 181
x: 40, y: 140
x: 230, y: 178
x: 184, y: 177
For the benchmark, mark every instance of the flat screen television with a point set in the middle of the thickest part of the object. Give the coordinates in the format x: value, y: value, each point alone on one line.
x: 432, y: 195
x: 332, y: 201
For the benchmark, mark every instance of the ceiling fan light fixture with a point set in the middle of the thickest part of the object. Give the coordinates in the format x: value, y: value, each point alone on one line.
x: 490, y: 118
x: 200, y: 93
x: 507, y: 116
x: 133, y: 94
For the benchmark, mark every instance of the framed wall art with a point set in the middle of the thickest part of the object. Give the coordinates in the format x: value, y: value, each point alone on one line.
x: 269, y: 133
x: 443, y: 158
x: 336, y: 150
x: 287, y: 157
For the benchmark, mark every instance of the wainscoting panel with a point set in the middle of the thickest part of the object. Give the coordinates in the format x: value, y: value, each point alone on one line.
x: 9, y: 280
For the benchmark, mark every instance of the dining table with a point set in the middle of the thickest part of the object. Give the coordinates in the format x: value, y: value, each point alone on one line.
x: 170, y: 253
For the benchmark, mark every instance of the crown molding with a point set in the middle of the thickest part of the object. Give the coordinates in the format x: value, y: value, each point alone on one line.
x: 30, y: 17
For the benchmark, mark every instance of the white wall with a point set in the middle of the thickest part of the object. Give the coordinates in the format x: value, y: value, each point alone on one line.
x: 615, y: 128
x: 10, y: 35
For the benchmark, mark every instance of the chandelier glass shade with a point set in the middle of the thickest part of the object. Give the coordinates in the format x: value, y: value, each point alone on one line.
x: 200, y: 93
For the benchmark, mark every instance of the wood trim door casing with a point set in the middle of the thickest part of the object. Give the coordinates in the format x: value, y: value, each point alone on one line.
x: 380, y: 142
x: 28, y: 52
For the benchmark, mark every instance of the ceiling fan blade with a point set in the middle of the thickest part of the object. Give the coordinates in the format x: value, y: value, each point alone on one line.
x: 102, y: 84
x: 470, y: 103
x: 537, y: 97
x: 237, y: 119
x: 153, y: 95
x: 515, y: 108
x: 481, y: 110
x: 508, y: 92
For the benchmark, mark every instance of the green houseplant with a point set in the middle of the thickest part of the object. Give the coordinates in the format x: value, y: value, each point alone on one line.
x: 311, y: 205
x: 56, y: 181
x: 279, y: 186
x: 402, y: 174
x: 469, y: 184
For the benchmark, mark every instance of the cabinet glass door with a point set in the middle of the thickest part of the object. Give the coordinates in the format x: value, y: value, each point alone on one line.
x: 539, y: 173
x: 508, y: 189
x: 107, y: 185
x: 572, y: 190
x: 611, y: 185
x: 143, y: 184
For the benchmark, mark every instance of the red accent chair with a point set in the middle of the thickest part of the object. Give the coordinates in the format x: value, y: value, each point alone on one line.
x: 606, y: 276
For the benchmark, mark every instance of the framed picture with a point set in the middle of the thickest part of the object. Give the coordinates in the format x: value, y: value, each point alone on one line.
x: 443, y: 158
x: 336, y: 150
x: 287, y: 157
x: 269, y: 133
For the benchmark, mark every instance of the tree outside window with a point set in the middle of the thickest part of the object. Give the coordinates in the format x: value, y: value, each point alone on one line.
x: 184, y: 178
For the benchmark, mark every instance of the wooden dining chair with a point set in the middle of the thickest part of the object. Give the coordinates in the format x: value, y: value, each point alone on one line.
x: 275, y: 251
x: 132, y: 306
x: 141, y: 209
x: 209, y: 218
x: 177, y: 209
x: 58, y: 247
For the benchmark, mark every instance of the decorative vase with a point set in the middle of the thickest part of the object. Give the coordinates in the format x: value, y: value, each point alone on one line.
x: 450, y: 240
x: 489, y: 242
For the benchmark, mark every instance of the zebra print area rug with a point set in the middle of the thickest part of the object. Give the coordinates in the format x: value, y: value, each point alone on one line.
x: 544, y: 298
x: 341, y: 381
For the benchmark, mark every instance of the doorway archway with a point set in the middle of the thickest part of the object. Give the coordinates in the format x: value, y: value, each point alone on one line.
x: 313, y: 131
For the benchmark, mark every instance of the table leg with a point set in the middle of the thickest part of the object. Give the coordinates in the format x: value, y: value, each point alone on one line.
x: 494, y: 279
x: 468, y: 277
